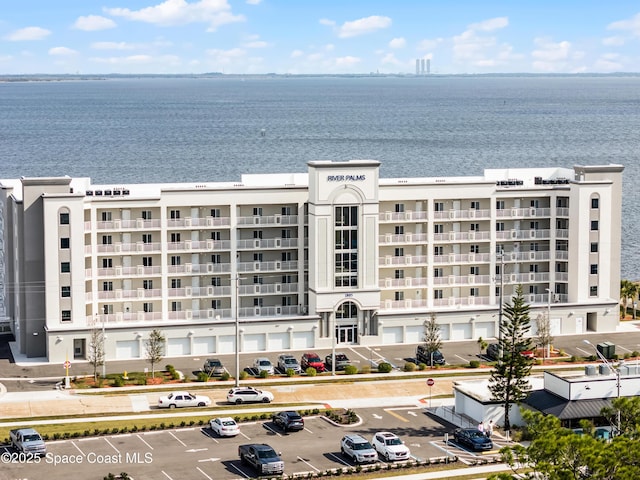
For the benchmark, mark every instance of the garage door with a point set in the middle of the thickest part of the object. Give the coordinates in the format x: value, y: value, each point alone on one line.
x: 414, y: 334
x: 302, y: 340
x: 391, y: 335
x: 254, y: 343
x: 278, y: 341
x: 204, y: 345
x: 226, y: 344
x: 444, y: 332
x: 177, y: 347
x: 460, y: 331
x: 484, y: 330
x: 127, y: 349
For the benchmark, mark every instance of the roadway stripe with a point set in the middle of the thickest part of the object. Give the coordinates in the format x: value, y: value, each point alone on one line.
x: 303, y: 460
x: 166, y: 475
x: 623, y: 348
x: 143, y: 441
x: 112, y: 446
x: 77, y: 447
x: 244, y: 436
x: 181, y: 442
x: 396, y: 415
x: 198, y: 468
x: 462, y: 358
x: 306, y: 429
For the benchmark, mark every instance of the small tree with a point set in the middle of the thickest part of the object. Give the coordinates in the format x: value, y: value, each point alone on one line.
x: 482, y: 344
x: 544, y: 337
x: 432, y: 340
x: 95, y: 353
x: 154, y: 347
x: 509, y: 381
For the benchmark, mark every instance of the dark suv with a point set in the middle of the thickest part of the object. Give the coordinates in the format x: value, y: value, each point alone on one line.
x: 288, y: 420
x: 311, y: 359
x: 423, y: 356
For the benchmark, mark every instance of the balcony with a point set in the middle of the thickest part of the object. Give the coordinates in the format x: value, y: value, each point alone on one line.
x: 409, y: 282
x: 271, y: 220
x: 388, y: 260
x: 403, y: 216
x: 200, y: 269
x: 403, y: 304
x: 269, y: 311
x: 206, y: 245
x: 529, y: 212
x: 463, y: 214
x: 268, y: 289
x: 538, y: 234
x: 189, y: 222
x: 199, y: 292
x: 257, y: 243
x: 278, y: 266
x: 120, y: 225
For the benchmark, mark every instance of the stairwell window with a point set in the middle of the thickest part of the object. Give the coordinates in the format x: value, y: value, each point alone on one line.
x: 593, y: 291
x: 594, y: 225
x: 65, y: 291
x: 594, y: 269
x: 64, y: 243
x: 595, y: 203
x: 64, y: 219
x: 65, y: 267
x: 65, y: 315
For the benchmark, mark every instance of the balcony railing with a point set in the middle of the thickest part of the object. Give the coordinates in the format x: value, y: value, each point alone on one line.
x: 403, y: 282
x: 258, y: 243
x: 273, y: 220
x: 404, y: 260
x: 402, y: 216
x: 405, y: 238
x: 529, y: 212
x: 187, y: 222
x: 248, y: 267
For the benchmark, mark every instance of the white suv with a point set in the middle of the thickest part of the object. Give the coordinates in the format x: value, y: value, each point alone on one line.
x: 358, y: 449
x: 390, y: 447
x: 240, y: 395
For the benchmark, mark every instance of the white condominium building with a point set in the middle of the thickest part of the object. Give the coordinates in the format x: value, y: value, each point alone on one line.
x: 305, y: 260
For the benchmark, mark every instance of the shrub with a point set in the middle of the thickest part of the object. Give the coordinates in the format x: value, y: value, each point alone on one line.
x: 422, y: 366
x: 315, y: 411
x: 225, y: 376
x: 365, y: 369
x: 175, y: 375
x: 384, y: 367
x: 264, y: 374
x: 627, y: 356
x: 350, y: 370
x: 635, y: 353
x: 118, y: 381
x: 170, y: 368
x: 290, y: 372
x: 311, y: 372
x: 410, y: 367
x: 474, y: 364
x: 142, y: 381
x: 202, y: 377
x: 573, y: 359
x: 243, y: 375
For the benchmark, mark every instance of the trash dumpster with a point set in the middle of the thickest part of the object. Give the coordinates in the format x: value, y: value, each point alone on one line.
x: 607, y: 350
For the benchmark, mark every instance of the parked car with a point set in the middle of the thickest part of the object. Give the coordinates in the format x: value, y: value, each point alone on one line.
x: 288, y: 420
x: 472, y: 438
x: 224, y: 427
x: 263, y: 364
x: 341, y: 361
x: 424, y: 356
x: 213, y: 367
x: 311, y: 359
x: 390, y: 447
x: 286, y: 362
x: 240, y: 395
x: 183, y: 399
x: 358, y: 449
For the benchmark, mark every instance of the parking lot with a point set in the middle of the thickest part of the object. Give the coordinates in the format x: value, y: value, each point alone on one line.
x: 196, y: 454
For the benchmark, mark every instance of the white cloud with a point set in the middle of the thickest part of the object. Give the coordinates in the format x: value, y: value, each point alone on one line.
x: 179, y: 12
x: 329, y: 47
x: 225, y: 57
x: 549, y: 51
x: 613, y: 41
x: 363, y: 26
x: 6, y: 58
x: 490, y: 25
x: 256, y: 44
x: 475, y: 47
x: 132, y: 59
x: 27, y: 34
x: 347, y: 61
x: 112, y: 46
x: 397, y: 43
x: 631, y: 25
x: 254, y: 2
x: 62, y: 51
x: 327, y: 22
x: 390, y: 58
x: 296, y: 54
x: 430, y: 44
x: 92, y: 23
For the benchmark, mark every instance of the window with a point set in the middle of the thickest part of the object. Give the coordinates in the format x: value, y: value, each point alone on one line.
x: 174, y: 214
x: 107, y: 286
x: 216, y: 259
x: 107, y: 309
x: 438, y: 228
x: 594, y: 269
x: 66, y: 291
x: 499, y: 204
x: 474, y: 292
x: 147, y: 307
x: 474, y: 270
x: 399, y: 229
x: 535, y: 203
x: 147, y: 284
x: 594, y: 225
x: 175, y: 260
x: 215, y: 236
x: 438, y: 206
x: 64, y: 219
x: 107, y: 240
x: 594, y: 247
x: 593, y: 291
x: 216, y: 304
x: 474, y: 227
x: 534, y: 225
x: 65, y: 267
x: 286, y: 210
x: 399, y: 252
x: 215, y: 212
x: 288, y: 279
x: 399, y: 207
x: 438, y: 250
x: 107, y: 263
x: 475, y: 205
x: 176, y: 306
x: 258, y: 302
x: 474, y: 248
x: 346, y: 246
x: 146, y: 214
x: 216, y: 281
x: 64, y: 242
x: 533, y: 268
x: 176, y: 283
x: 399, y: 296
x: 286, y: 301
x: 257, y: 280
x: 438, y: 294
x: 257, y: 234
x: 286, y: 233
x: 499, y: 226
x: 146, y: 237
x: 595, y: 203
x: 534, y: 247
x: 106, y: 216
x: 257, y: 211
x: 66, y: 315
x: 438, y: 272
x: 533, y: 289
x: 399, y: 273
x: 175, y: 237
x: 147, y: 261
x: 257, y: 257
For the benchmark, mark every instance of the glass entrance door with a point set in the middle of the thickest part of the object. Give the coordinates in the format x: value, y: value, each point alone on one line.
x: 347, y: 334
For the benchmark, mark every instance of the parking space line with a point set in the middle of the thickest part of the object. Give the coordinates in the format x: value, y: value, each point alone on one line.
x: 270, y: 429
x: 623, y: 348
x: 244, y: 436
x: 143, y: 441
x: 112, y: 446
x: 204, y: 431
x: 239, y: 471
x: 166, y: 475
x: 200, y: 470
x: 445, y: 450
x: 462, y: 358
x: 78, y: 448
x: 308, y: 430
x: 585, y: 352
x: 88, y: 439
x: 339, y: 459
x: 399, y: 417
x: 181, y: 442
x: 304, y: 461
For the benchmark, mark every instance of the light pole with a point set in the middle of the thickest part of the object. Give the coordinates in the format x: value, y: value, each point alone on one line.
x: 237, y: 310
x: 501, y: 255
x: 547, y: 347
x: 104, y: 351
x: 617, y: 372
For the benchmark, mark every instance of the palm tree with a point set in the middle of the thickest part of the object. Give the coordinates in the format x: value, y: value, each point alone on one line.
x: 628, y: 289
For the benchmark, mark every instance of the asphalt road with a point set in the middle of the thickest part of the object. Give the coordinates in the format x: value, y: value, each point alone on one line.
x: 197, y: 454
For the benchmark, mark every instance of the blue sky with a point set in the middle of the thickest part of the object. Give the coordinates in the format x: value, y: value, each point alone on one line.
x: 318, y: 36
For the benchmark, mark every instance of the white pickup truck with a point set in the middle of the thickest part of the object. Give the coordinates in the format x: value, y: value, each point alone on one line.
x: 27, y: 440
